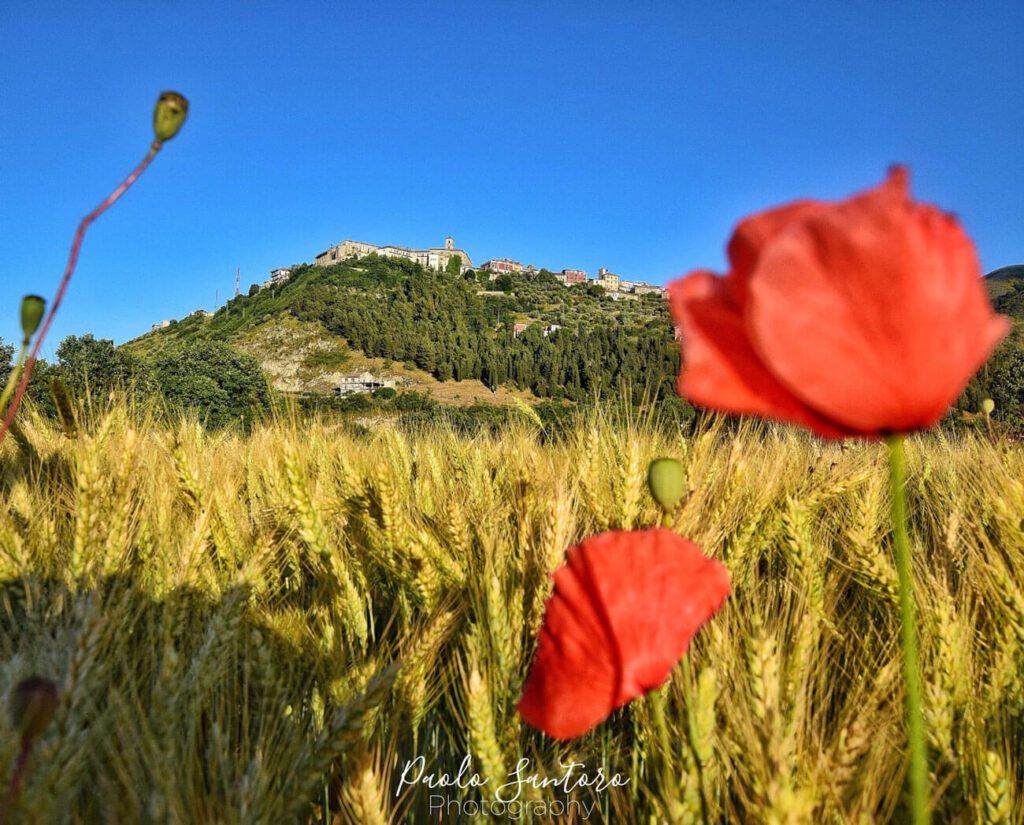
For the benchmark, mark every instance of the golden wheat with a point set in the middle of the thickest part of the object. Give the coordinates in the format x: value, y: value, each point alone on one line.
x: 218, y: 609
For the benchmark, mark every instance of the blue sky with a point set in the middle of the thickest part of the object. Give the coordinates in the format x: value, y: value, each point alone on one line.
x: 629, y: 135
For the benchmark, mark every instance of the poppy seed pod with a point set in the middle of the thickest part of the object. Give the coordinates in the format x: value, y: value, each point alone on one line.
x: 667, y: 482
x: 169, y: 115
x: 32, y: 309
x: 988, y: 406
x: 32, y: 705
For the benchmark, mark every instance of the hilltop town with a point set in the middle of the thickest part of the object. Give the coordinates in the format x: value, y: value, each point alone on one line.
x: 380, y: 319
x: 439, y: 258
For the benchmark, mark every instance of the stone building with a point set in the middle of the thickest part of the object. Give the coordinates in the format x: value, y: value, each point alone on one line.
x: 608, y: 280
x: 277, y: 277
x: 499, y: 266
x: 433, y: 258
x: 364, y: 382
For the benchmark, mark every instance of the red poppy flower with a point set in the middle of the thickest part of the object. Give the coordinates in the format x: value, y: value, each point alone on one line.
x: 623, y: 611
x: 864, y: 317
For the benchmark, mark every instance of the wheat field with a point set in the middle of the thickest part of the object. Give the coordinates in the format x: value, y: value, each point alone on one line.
x: 268, y: 628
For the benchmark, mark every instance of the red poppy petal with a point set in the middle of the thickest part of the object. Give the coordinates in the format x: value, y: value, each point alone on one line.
x: 721, y: 370
x: 623, y: 611
x: 873, y: 311
x: 752, y: 233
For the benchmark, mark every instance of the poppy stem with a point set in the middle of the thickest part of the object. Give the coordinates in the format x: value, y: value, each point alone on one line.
x: 66, y: 279
x: 14, y: 787
x: 911, y: 669
x: 12, y: 381
x: 670, y: 789
x: 691, y: 729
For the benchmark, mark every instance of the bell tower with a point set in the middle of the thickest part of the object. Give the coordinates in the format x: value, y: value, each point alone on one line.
x: 449, y: 242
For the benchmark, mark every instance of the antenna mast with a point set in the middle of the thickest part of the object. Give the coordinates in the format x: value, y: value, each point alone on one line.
x: 238, y: 281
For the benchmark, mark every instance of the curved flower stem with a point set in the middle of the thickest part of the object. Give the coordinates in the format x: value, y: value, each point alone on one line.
x: 668, y: 782
x: 68, y: 271
x: 911, y: 669
x: 691, y: 729
x: 14, y: 787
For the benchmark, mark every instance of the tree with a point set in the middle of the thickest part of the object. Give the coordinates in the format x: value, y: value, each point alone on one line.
x: 454, y: 266
x: 6, y: 354
x: 411, y: 401
x: 223, y: 385
x: 95, y: 366
x: 355, y: 403
x: 1006, y: 383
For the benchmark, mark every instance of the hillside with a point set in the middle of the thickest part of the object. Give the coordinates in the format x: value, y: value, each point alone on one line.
x: 1006, y: 288
x: 303, y: 357
x: 997, y: 279
x: 464, y: 339
x: 454, y: 337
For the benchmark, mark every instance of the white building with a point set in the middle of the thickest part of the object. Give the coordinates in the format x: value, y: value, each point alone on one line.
x: 364, y: 382
x: 433, y: 258
x: 608, y: 280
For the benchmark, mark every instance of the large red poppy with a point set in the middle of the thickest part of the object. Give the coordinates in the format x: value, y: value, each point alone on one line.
x: 864, y: 317
x: 623, y: 611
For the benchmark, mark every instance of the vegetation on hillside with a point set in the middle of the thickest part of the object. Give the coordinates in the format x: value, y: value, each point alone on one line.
x: 267, y: 627
x: 398, y: 312
x: 455, y: 327
x: 1002, y: 377
x: 218, y: 383
x: 438, y: 322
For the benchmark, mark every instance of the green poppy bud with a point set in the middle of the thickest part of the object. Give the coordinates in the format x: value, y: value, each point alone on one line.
x: 32, y: 309
x: 987, y: 406
x: 32, y: 705
x: 169, y: 115
x: 667, y: 482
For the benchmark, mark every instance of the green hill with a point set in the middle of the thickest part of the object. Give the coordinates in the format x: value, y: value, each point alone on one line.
x: 1006, y: 288
x: 464, y: 339
x: 525, y: 335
